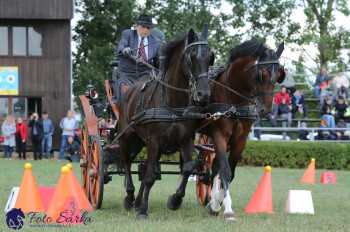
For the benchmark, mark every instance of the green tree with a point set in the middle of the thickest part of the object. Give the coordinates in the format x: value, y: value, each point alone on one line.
x: 299, y: 70
x: 263, y: 18
x: 178, y: 16
x: 321, y: 30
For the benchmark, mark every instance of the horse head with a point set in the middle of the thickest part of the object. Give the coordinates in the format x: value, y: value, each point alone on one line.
x: 269, y: 72
x: 254, y: 70
x: 197, y: 59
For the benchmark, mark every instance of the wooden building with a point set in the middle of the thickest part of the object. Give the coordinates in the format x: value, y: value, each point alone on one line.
x: 35, y: 58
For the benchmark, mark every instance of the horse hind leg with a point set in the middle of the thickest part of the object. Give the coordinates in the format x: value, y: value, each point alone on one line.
x: 128, y: 183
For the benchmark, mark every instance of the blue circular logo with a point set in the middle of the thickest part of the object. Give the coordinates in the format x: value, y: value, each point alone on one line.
x: 14, y: 219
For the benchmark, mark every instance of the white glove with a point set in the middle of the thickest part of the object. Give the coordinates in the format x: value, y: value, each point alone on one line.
x: 127, y: 51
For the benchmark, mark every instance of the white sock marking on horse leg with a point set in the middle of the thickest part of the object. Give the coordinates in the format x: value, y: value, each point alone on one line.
x: 228, y: 203
x: 217, y: 195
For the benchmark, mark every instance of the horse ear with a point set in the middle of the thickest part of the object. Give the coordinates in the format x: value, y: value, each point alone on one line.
x: 282, y: 75
x: 191, y: 36
x: 280, y: 50
x: 211, y: 58
x: 205, y: 32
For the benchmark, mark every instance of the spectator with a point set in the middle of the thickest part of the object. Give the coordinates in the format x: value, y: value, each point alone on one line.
x: 298, y: 103
x: 281, y: 106
x: 325, y: 91
x: 73, y: 150
x: 321, y: 78
x: 340, y: 81
x: 68, y: 124
x: 343, y: 91
x: 340, y: 109
x: 8, y: 130
x: 326, y: 134
x: 21, y: 138
x: 303, y: 133
x: 327, y: 113
x: 37, y: 135
x: 340, y: 133
x: 48, y: 132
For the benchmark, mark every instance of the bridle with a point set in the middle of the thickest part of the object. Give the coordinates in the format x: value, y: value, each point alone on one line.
x: 258, y: 94
x: 193, y: 79
x: 192, y: 90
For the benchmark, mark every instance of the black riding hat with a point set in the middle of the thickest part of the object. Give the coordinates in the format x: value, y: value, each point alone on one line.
x: 145, y: 20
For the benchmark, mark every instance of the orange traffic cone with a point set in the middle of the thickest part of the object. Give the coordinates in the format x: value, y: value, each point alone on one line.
x: 309, y: 174
x: 67, y: 190
x: 29, y: 197
x: 261, y: 202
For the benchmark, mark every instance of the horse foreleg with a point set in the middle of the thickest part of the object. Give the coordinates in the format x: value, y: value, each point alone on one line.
x: 148, y: 180
x: 221, y: 165
x: 217, y: 196
x: 128, y: 182
x: 139, y: 197
x: 175, y: 200
x: 228, y: 211
x: 130, y: 188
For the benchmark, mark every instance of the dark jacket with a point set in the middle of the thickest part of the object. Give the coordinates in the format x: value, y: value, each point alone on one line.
x: 73, y: 148
x: 340, y: 110
x: 301, y: 100
x: 129, y: 38
x: 283, y: 108
x: 37, y: 126
x: 326, y: 109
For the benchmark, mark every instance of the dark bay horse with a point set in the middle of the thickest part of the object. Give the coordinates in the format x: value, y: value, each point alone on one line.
x: 151, y: 116
x: 243, y: 91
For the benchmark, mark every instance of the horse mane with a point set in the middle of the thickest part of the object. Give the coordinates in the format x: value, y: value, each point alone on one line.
x: 169, y: 49
x: 248, y: 48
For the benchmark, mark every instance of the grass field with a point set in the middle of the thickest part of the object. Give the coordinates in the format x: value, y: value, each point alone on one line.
x: 332, y: 203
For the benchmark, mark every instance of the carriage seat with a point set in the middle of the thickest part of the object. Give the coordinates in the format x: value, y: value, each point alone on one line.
x: 215, y: 72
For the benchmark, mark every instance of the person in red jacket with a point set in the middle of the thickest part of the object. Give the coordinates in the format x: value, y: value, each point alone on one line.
x: 21, y: 138
x: 277, y: 107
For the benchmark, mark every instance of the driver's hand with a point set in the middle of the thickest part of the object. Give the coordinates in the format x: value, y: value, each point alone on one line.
x: 127, y: 51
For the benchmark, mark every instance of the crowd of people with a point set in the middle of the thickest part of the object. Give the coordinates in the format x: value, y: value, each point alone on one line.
x: 15, y: 134
x: 332, y: 94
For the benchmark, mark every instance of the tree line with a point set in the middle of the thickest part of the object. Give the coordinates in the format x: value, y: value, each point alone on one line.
x: 101, y: 22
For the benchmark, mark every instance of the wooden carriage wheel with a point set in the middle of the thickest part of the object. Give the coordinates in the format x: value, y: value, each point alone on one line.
x: 84, y: 150
x: 91, y: 162
x: 203, y: 188
x: 95, y: 171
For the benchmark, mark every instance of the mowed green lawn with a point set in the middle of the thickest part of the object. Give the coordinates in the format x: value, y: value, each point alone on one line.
x: 332, y: 203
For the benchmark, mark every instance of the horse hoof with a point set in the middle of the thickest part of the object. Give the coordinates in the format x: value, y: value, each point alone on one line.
x: 128, y: 204
x: 211, y: 211
x: 141, y: 216
x: 230, y: 217
x: 174, y: 202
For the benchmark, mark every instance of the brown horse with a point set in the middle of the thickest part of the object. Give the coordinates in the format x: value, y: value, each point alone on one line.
x: 242, y: 92
x: 152, y: 116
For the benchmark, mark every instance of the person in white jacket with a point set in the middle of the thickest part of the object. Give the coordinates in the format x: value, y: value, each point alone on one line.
x: 8, y: 130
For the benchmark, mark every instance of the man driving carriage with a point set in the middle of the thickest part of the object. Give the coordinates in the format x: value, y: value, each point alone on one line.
x: 141, y: 43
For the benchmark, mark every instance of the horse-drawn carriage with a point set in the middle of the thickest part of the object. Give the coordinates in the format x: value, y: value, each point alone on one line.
x: 95, y: 166
x: 163, y: 105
